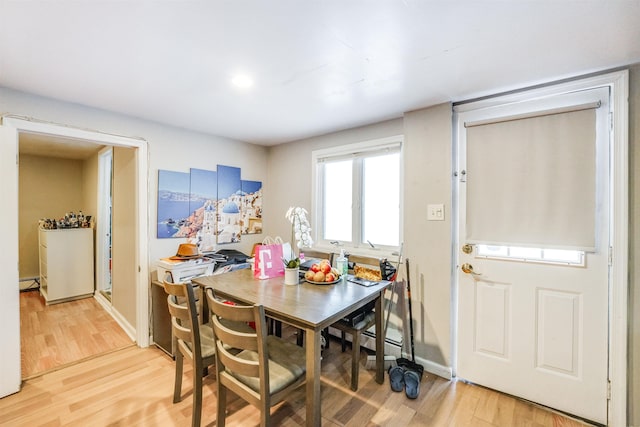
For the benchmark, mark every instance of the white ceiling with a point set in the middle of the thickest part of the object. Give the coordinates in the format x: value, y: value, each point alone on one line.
x: 318, y: 66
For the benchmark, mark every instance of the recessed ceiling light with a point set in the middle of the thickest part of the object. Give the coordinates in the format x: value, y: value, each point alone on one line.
x: 242, y: 81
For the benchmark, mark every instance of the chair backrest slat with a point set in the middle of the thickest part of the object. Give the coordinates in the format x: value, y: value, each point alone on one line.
x: 184, y: 316
x: 243, y: 362
x: 238, y: 350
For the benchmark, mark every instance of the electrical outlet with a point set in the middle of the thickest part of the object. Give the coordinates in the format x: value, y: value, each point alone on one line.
x: 435, y: 212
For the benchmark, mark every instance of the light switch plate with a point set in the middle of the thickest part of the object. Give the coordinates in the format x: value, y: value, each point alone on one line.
x: 435, y: 212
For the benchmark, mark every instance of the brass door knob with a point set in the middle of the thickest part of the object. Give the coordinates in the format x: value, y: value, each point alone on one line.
x: 468, y: 269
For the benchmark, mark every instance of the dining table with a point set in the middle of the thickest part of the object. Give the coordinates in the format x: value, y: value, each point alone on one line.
x: 309, y: 307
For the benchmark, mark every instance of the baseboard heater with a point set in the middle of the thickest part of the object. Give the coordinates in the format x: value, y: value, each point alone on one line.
x: 392, y: 347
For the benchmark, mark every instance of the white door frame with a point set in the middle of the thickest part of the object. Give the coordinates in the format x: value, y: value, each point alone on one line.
x: 618, y: 82
x: 9, y: 356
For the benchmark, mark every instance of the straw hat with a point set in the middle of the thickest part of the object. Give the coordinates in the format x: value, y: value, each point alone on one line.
x: 186, y: 251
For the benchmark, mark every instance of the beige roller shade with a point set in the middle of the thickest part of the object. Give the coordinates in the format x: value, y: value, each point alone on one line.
x: 532, y: 181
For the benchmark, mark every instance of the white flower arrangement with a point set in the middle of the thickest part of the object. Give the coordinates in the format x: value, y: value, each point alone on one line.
x: 300, y: 228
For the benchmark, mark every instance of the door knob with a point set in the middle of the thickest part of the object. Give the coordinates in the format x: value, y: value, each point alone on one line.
x: 468, y: 269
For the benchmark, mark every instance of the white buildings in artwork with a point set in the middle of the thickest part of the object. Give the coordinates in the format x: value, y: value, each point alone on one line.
x: 207, y: 234
x: 229, y: 222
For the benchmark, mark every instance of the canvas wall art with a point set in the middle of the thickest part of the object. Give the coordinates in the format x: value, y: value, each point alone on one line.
x: 173, y: 202
x: 208, y: 207
x: 251, y: 207
x: 229, y: 202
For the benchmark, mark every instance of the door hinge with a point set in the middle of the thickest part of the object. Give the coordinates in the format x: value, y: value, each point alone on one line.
x: 610, y: 256
x: 608, y: 389
x: 610, y: 120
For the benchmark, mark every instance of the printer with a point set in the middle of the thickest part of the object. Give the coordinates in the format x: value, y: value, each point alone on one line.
x: 179, y: 271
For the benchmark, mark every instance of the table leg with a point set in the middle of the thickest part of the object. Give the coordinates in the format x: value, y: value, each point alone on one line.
x: 380, y: 338
x: 312, y: 339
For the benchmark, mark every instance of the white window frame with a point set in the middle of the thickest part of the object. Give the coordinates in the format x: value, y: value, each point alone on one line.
x: 345, y: 151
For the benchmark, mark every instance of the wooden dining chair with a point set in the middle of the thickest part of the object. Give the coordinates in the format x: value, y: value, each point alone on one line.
x: 192, y: 340
x: 355, y: 329
x: 261, y: 369
x: 345, y: 326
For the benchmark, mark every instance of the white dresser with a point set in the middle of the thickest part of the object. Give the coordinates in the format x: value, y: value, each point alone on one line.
x: 66, y: 264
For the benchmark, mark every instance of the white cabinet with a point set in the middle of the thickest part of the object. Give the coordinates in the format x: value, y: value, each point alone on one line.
x: 66, y: 264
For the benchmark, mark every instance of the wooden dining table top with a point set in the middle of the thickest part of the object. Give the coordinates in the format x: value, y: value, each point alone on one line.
x: 305, y: 305
x: 311, y: 307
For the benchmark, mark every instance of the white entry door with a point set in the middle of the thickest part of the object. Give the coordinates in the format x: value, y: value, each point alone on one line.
x: 533, y: 318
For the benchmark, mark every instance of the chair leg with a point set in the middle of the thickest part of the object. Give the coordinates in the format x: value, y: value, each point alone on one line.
x: 196, y: 414
x: 222, y: 405
x: 177, y: 387
x: 355, y: 360
x: 278, y: 329
x: 265, y: 413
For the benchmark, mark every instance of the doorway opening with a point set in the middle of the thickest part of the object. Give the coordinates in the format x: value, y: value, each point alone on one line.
x: 134, y: 318
x: 61, y: 178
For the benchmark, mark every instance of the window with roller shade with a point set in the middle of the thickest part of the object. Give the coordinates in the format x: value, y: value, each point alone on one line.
x: 531, y: 179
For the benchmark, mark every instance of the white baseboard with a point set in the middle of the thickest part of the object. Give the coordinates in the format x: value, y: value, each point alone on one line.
x: 435, y: 368
x: 395, y: 351
x: 124, y: 324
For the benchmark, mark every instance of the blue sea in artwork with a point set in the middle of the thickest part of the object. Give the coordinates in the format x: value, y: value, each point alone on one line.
x: 171, y: 210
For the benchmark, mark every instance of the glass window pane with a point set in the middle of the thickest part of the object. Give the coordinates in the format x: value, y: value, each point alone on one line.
x: 526, y: 253
x: 381, y: 200
x: 532, y: 254
x: 337, y: 200
x: 563, y: 255
x: 497, y: 251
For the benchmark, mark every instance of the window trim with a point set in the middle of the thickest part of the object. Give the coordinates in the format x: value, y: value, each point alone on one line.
x: 358, y: 150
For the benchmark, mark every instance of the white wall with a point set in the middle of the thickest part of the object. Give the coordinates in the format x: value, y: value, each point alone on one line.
x: 170, y: 148
x: 427, y: 172
x: 427, y: 180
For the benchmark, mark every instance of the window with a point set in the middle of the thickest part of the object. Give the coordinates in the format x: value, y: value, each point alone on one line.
x: 357, y: 194
x: 548, y: 256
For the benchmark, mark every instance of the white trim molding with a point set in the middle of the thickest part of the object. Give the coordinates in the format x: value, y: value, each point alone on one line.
x: 27, y: 124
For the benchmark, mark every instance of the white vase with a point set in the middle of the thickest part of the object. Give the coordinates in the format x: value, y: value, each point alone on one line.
x: 291, y: 276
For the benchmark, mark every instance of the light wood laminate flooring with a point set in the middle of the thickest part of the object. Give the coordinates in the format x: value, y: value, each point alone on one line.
x: 55, y: 335
x: 133, y: 387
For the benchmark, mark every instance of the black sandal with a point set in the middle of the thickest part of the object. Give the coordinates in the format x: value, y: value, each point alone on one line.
x: 412, y: 384
x: 396, y: 378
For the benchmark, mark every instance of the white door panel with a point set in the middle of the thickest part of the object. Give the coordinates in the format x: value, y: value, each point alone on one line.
x: 538, y: 330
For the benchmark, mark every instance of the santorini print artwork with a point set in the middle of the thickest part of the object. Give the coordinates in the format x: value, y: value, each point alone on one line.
x: 208, y: 207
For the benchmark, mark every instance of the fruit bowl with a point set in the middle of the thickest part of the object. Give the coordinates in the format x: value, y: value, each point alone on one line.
x: 321, y: 273
x: 324, y: 283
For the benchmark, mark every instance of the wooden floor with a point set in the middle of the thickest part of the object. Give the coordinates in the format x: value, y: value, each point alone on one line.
x: 54, y: 335
x: 133, y: 387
